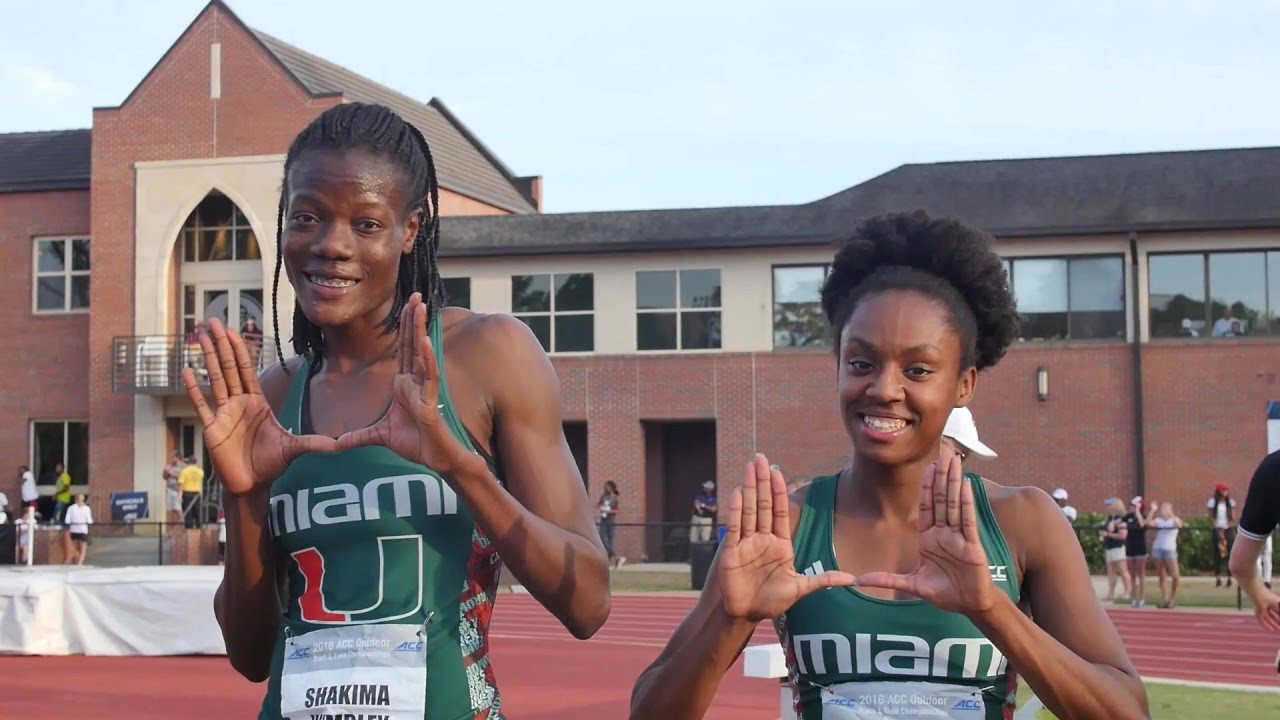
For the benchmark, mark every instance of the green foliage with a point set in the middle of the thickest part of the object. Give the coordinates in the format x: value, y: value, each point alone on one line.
x: 1195, y: 543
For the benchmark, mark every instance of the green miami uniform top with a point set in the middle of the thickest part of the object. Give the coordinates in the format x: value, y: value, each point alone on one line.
x: 854, y: 657
x: 380, y: 553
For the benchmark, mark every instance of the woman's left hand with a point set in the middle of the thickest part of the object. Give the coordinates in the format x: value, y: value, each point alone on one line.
x: 953, y: 574
x: 414, y: 426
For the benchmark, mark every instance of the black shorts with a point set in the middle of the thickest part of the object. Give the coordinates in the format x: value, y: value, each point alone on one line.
x: 80, y: 537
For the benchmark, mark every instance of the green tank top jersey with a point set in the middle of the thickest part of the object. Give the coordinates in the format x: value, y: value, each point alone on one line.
x: 850, y: 655
x: 371, y: 538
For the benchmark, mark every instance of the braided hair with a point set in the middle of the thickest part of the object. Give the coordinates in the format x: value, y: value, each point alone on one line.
x: 379, y: 130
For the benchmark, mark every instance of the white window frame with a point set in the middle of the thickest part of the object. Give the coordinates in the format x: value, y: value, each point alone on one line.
x: 66, y: 273
x: 679, y: 311
x: 469, y: 284
x: 552, y: 313
x: 773, y: 302
x: 31, y: 444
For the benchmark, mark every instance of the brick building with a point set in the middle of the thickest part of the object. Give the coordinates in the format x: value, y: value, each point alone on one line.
x: 684, y: 339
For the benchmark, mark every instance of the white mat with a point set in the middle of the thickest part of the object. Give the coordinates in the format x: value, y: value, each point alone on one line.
x: 61, y: 610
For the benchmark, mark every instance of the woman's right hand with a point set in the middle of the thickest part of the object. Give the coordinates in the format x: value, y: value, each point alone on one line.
x: 247, y: 444
x: 758, y: 578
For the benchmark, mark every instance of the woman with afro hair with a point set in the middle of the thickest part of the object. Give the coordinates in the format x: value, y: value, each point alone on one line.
x: 901, y: 586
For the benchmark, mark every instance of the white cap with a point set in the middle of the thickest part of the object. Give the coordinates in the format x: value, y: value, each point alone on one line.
x: 708, y: 485
x: 1059, y: 494
x: 960, y: 428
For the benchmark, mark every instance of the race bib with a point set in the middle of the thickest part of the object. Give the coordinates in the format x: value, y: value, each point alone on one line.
x: 355, y: 672
x: 896, y: 700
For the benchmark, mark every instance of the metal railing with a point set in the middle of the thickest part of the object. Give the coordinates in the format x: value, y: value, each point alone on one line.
x: 154, y: 363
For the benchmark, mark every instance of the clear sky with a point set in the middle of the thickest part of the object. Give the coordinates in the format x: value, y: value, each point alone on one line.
x: 687, y: 103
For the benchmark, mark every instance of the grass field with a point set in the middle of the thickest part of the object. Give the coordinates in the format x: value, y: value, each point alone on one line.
x: 1197, y: 592
x: 1180, y: 702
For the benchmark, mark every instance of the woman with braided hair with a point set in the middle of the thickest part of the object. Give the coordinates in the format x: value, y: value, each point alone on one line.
x: 901, y: 586
x: 368, y: 507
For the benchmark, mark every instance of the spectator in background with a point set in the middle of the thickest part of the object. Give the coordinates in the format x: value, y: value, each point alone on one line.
x: 1060, y: 497
x: 1135, y: 548
x: 172, y: 488
x: 704, y: 513
x: 26, y: 521
x: 191, y: 479
x: 78, y: 519
x: 28, y: 487
x: 61, y: 492
x: 608, y: 507
x: 962, y: 434
x: 1227, y: 325
x: 1165, y: 552
x: 1114, y: 532
x: 1222, y: 509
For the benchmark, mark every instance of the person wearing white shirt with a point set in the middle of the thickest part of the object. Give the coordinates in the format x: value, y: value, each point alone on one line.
x: 1060, y: 497
x: 78, y: 519
x: 28, y: 488
x: 1222, y: 513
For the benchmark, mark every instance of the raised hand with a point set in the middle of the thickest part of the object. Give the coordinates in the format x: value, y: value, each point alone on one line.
x: 953, y: 573
x: 757, y: 571
x: 248, y: 446
x: 414, y: 426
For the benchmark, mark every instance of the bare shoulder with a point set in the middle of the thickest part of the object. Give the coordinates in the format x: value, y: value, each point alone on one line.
x: 277, y: 379
x: 467, y: 332
x: 497, y: 350
x: 1024, y: 514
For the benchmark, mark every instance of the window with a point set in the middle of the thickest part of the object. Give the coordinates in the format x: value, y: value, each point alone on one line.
x: 1075, y: 298
x: 678, y: 309
x: 217, y: 230
x: 798, y: 319
x: 558, y: 308
x: 457, y: 292
x: 61, y: 274
x: 60, y: 442
x: 1226, y: 294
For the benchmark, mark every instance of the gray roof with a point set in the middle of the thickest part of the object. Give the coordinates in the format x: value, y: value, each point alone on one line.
x: 700, y: 228
x: 35, y: 161
x: 1192, y: 190
x: 1189, y: 190
x: 464, y: 164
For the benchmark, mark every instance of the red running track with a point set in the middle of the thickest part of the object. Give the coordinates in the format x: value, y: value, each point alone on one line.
x: 547, y: 675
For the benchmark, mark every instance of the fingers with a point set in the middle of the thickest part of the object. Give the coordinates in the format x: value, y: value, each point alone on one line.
x: 968, y: 512
x: 217, y: 385
x: 781, y: 504
x: 226, y: 357
x: 371, y: 435
x: 404, y: 333
x: 749, y: 502
x: 810, y: 584
x: 764, y: 495
x: 303, y: 444
x: 940, y: 470
x: 733, y: 533
x: 197, y: 397
x: 955, y: 483
x: 926, y: 499
x: 891, y: 581
x: 248, y: 370
x: 425, y: 367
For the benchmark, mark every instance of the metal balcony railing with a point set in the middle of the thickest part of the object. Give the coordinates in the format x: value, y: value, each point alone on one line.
x: 153, y: 364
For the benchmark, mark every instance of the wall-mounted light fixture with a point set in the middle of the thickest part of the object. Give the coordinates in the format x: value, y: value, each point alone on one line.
x: 1042, y: 383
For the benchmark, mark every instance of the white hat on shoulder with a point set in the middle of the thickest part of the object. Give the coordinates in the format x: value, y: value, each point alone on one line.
x: 961, y: 428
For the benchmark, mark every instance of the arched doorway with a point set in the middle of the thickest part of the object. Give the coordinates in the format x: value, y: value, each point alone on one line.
x: 219, y: 275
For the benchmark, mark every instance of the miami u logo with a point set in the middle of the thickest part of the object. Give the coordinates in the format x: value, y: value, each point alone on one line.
x: 399, y: 557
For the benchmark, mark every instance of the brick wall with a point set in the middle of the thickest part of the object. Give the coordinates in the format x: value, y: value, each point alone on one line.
x: 170, y: 116
x: 44, y: 359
